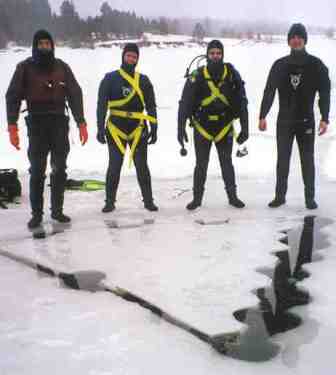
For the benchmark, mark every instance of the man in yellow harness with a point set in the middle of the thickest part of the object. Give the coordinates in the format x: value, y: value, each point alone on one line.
x: 126, y: 94
x: 213, y: 96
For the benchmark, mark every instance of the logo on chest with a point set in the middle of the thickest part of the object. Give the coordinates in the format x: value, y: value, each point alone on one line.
x: 126, y: 91
x: 295, y: 80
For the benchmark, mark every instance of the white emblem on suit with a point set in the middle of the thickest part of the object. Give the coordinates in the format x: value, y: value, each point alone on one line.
x: 126, y: 91
x: 295, y: 80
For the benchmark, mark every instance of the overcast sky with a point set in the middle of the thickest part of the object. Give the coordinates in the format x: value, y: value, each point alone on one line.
x: 317, y: 12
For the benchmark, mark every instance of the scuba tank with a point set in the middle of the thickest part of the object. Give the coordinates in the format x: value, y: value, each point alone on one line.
x: 197, y: 60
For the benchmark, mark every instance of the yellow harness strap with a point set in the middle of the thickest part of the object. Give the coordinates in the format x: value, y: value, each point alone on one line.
x: 133, y: 115
x: 215, y: 92
x: 213, y: 117
x: 134, y: 82
x: 117, y: 134
x: 210, y: 137
x: 121, y: 102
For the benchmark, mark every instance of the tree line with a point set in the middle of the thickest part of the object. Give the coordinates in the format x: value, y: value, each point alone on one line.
x: 19, y: 19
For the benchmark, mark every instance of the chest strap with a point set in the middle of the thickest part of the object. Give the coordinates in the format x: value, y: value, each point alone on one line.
x: 136, y: 90
x: 215, y: 91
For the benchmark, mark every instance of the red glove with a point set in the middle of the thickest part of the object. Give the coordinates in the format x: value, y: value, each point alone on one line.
x: 14, y: 135
x: 83, y: 133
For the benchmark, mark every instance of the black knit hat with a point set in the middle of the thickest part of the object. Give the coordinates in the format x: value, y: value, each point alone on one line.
x: 130, y: 47
x: 297, y: 29
x: 42, y: 34
x: 215, y: 44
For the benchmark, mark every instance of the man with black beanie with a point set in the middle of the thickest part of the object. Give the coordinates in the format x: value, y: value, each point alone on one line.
x: 126, y: 94
x: 212, y: 98
x: 46, y: 84
x: 297, y: 77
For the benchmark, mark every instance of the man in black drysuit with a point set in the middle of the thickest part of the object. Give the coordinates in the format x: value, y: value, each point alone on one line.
x: 126, y: 94
x: 46, y: 84
x: 213, y: 96
x: 297, y: 77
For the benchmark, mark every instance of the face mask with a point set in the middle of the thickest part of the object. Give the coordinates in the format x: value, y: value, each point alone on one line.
x: 215, y: 67
x: 45, y: 51
x: 44, y: 57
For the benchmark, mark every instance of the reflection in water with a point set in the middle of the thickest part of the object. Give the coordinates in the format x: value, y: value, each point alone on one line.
x: 271, y: 314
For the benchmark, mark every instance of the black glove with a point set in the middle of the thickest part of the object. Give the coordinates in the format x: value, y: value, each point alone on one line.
x: 101, y: 136
x: 152, y: 136
x: 242, y: 137
x: 182, y: 135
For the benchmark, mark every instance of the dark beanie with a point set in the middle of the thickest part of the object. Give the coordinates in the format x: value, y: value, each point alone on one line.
x: 215, y: 44
x: 42, y: 34
x: 297, y: 29
x: 130, y: 47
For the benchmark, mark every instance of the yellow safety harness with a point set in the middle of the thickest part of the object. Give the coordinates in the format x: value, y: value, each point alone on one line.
x: 215, y: 94
x: 117, y: 134
x: 210, y: 137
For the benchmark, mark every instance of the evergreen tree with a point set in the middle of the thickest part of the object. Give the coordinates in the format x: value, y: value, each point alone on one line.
x: 106, y: 19
x: 41, y: 14
x: 163, y: 26
x: 69, y: 22
x: 199, y: 32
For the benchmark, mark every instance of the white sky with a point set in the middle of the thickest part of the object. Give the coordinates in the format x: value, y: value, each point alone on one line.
x: 322, y: 12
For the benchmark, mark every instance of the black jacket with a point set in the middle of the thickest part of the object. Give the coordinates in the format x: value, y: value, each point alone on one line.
x: 46, y: 91
x: 196, y: 89
x: 297, y: 83
x: 115, y: 87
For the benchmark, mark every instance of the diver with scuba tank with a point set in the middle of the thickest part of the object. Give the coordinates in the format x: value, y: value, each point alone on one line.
x: 212, y: 98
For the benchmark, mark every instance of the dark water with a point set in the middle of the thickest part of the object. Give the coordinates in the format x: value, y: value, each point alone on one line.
x: 271, y: 315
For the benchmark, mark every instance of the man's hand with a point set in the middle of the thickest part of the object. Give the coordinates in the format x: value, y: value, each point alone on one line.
x: 14, y: 135
x: 152, y: 136
x: 101, y: 137
x: 83, y: 133
x: 242, y: 137
x: 262, y: 125
x: 323, y: 127
x: 182, y: 136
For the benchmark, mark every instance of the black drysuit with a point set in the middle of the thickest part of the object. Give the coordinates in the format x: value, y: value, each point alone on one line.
x: 196, y: 89
x: 297, y: 77
x: 46, y: 91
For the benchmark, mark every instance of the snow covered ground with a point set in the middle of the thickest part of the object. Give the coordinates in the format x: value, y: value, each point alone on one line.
x: 199, y: 273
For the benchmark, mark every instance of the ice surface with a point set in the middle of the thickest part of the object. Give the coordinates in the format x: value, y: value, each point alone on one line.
x: 199, y: 273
